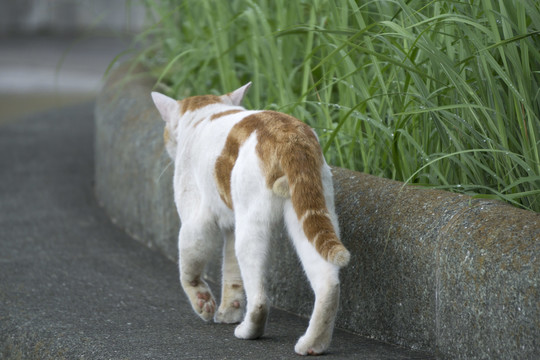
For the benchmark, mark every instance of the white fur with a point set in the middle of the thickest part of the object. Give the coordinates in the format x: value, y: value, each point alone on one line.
x: 247, y: 231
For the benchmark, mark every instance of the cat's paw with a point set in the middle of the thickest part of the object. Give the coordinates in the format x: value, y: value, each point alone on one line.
x: 248, y: 331
x: 205, y: 305
x: 254, y: 323
x: 231, y: 313
x: 201, y: 298
x: 233, y: 304
x: 307, y: 346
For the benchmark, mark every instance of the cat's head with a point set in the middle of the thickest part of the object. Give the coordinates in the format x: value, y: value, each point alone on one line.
x: 171, y: 111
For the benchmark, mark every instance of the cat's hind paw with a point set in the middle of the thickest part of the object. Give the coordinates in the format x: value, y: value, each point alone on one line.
x: 254, y: 324
x: 248, y: 331
x: 306, y: 346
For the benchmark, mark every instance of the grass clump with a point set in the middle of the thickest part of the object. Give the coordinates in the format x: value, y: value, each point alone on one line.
x: 441, y: 93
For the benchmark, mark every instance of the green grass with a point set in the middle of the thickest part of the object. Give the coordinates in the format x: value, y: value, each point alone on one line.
x: 442, y: 94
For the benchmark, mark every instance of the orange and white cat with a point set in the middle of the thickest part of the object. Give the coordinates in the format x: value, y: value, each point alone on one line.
x: 239, y: 174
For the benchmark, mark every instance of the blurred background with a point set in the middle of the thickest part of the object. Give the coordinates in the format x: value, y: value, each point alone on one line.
x: 55, y: 52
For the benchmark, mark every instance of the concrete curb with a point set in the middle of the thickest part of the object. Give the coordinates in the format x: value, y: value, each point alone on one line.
x: 430, y: 270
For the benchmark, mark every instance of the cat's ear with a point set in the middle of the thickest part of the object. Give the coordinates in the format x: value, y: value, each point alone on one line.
x: 238, y: 95
x: 166, y: 106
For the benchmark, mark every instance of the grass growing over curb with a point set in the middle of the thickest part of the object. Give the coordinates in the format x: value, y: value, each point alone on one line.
x: 442, y: 93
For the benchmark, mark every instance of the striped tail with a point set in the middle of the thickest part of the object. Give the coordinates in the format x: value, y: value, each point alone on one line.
x: 302, y: 166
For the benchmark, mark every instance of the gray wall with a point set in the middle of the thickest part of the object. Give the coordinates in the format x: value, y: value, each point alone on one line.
x: 65, y: 16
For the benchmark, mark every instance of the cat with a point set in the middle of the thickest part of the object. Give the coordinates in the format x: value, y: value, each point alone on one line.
x: 237, y: 175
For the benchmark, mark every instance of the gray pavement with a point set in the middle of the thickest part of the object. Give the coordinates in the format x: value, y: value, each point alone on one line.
x: 72, y: 285
x: 44, y: 72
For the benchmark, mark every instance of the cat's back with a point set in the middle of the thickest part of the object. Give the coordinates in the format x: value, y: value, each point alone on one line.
x: 207, y: 114
x: 207, y: 122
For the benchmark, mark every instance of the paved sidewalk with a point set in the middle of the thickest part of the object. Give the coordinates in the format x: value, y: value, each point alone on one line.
x: 39, y: 73
x: 74, y: 286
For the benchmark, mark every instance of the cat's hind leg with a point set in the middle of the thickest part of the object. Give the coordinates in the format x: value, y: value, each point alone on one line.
x: 256, y: 212
x: 195, y: 243
x: 252, y: 237
x: 233, y: 303
x: 324, y: 279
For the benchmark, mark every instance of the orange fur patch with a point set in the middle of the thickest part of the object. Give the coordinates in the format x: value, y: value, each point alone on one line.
x: 280, y: 139
x: 285, y: 146
x: 166, y: 135
x: 196, y: 102
x: 224, y: 113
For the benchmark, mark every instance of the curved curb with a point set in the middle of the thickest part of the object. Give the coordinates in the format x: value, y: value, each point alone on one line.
x: 431, y: 270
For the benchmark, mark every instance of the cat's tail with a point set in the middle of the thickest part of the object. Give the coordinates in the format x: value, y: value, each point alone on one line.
x: 303, y: 172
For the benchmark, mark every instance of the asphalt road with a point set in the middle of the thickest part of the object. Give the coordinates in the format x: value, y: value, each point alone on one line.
x: 39, y: 73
